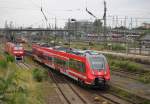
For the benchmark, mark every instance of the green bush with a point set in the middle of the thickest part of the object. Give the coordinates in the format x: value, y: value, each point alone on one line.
x: 39, y: 75
x: 91, y: 44
x: 84, y: 48
x: 127, y: 65
x: 66, y: 43
x: 3, y: 64
x: 145, y: 78
x: 133, y: 67
x: 10, y: 58
x: 118, y: 47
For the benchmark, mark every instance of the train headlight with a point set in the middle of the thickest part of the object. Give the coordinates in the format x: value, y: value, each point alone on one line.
x: 93, y: 73
x: 15, y: 52
x: 105, y: 72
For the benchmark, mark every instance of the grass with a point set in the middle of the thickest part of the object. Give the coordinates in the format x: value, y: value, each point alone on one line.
x: 3, y: 64
x: 125, y: 65
x: 129, y: 66
x: 145, y: 78
x: 10, y: 58
x: 118, y: 47
x: 17, y: 85
x: 39, y: 75
x: 97, y: 46
x: 135, y: 59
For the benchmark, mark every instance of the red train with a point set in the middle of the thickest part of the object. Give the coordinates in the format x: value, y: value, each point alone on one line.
x: 15, y: 50
x: 84, y: 66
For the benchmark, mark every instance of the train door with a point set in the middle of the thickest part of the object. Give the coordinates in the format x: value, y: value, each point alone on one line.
x: 53, y: 61
x: 67, y: 67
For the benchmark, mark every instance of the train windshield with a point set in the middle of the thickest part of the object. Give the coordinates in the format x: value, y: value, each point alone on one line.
x: 18, y: 48
x: 97, y: 62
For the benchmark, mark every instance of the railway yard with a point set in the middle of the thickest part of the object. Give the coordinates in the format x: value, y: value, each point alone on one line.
x: 123, y: 88
x: 75, y: 52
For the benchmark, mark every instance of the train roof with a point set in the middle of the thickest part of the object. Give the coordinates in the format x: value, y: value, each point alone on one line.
x: 14, y: 44
x: 78, y: 52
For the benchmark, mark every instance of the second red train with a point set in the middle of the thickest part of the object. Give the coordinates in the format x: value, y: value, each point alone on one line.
x: 15, y: 50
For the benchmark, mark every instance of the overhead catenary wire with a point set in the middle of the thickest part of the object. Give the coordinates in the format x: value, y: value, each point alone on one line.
x: 19, y: 8
x: 45, y: 17
x: 89, y: 12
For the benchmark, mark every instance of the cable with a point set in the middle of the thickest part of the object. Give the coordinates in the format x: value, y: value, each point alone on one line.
x: 45, y: 17
x: 19, y: 8
x: 38, y: 6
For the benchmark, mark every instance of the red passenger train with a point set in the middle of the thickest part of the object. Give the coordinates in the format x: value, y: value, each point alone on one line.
x: 84, y: 66
x: 15, y: 50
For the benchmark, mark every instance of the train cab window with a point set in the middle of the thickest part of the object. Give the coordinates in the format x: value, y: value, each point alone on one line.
x: 77, y: 65
x: 97, y: 62
x: 18, y: 48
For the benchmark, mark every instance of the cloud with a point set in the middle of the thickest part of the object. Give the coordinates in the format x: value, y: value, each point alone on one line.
x: 27, y: 12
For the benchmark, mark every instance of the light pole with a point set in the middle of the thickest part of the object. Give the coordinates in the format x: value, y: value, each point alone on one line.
x: 55, y: 32
x: 104, y: 17
x: 69, y: 21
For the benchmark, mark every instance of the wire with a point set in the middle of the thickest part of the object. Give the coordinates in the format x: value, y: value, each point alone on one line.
x: 44, y: 14
x: 45, y: 17
x: 38, y: 6
x: 19, y: 8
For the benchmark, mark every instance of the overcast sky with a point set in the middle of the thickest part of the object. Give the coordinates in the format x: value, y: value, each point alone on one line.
x: 27, y: 12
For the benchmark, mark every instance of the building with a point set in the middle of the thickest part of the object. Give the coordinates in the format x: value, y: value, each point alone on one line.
x: 146, y: 25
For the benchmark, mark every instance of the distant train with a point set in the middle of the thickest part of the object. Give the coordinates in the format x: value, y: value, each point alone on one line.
x: 15, y: 50
x: 87, y: 67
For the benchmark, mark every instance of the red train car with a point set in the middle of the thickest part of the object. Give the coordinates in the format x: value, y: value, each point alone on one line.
x: 83, y: 66
x: 15, y: 50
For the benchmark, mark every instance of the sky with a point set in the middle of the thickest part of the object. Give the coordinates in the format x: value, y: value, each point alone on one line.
x: 27, y: 13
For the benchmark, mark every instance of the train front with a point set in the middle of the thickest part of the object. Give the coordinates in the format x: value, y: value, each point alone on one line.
x: 18, y: 52
x: 99, y: 71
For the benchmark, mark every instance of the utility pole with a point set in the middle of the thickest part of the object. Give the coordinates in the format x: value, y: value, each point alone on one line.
x: 116, y: 21
x: 131, y: 23
x: 125, y: 20
x: 69, y: 32
x: 113, y: 22
x: 55, y: 32
x: 136, y: 22
x: 125, y: 35
x: 104, y: 17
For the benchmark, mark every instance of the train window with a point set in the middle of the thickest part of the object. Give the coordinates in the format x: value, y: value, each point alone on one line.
x: 77, y: 65
x: 97, y: 63
x: 49, y: 58
x: 18, y: 48
x: 60, y: 61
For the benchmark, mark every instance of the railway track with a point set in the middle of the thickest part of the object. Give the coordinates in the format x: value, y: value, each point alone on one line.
x: 107, y: 97
x: 121, y: 73
x: 114, y: 99
x: 70, y: 95
x: 23, y: 65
